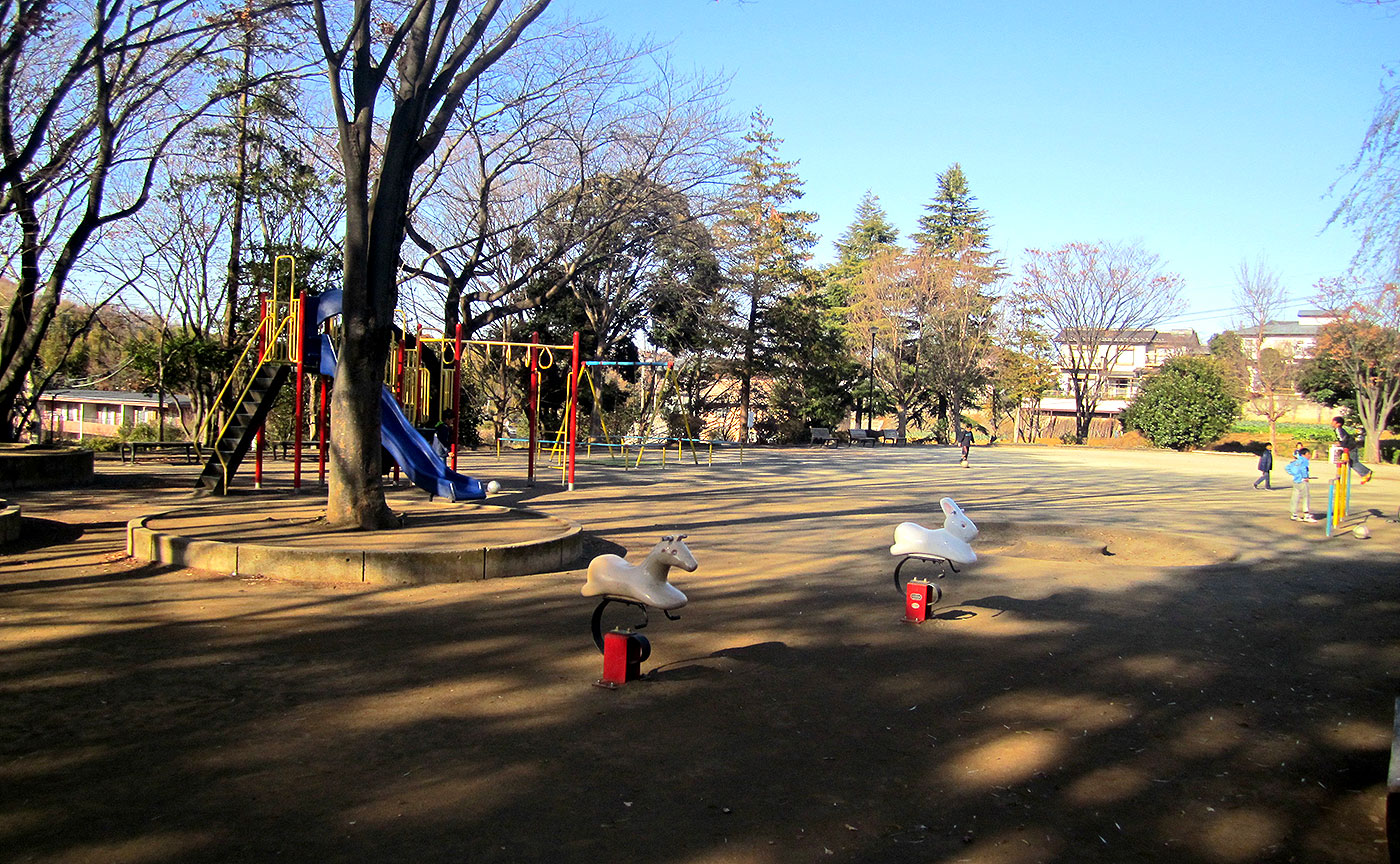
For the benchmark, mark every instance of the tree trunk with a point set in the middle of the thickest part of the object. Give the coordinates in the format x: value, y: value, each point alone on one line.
x: 235, y: 246
x: 355, y: 490
x: 746, y: 373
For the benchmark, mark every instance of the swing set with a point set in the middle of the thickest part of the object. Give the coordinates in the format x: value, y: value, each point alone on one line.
x: 417, y: 386
x: 647, y: 434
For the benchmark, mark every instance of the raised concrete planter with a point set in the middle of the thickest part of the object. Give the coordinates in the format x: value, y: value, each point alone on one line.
x: 9, y: 522
x: 560, y: 547
x: 27, y: 467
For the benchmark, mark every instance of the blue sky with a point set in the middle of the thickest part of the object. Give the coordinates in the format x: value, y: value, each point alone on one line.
x: 1208, y: 131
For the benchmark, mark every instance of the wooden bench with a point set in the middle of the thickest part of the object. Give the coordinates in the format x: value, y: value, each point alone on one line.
x: 821, y: 437
x: 131, y: 449
x: 863, y: 436
x: 892, y: 436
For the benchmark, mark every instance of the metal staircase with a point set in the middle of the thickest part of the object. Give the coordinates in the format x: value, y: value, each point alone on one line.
x: 269, y: 359
x: 238, y: 434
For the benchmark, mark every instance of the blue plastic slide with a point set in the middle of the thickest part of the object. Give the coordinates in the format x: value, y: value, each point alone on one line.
x: 410, y: 449
x: 417, y: 459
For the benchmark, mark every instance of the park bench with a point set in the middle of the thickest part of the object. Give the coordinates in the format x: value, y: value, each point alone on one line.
x: 863, y: 436
x: 892, y: 436
x: 131, y: 449
x: 821, y: 437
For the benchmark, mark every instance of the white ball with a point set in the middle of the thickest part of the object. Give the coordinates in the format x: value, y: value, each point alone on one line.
x: 493, y: 487
x: 1361, y: 532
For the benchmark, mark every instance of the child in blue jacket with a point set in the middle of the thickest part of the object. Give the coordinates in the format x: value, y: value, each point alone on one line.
x: 1266, y: 464
x: 1298, y: 470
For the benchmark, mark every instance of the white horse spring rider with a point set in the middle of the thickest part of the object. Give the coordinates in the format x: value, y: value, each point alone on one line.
x: 951, y: 543
x: 645, y: 584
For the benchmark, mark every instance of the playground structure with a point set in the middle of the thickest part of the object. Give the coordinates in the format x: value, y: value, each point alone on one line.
x: 418, y: 389
x: 294, y: 340
x: 1338, y: 489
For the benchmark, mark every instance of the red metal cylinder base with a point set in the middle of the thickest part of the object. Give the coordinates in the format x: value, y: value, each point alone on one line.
x: 918, y: 597
x: 623, y: 653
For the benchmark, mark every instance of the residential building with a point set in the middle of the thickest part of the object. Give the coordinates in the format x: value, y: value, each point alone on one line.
x: 76, y: 414
x: 1292, y: 339
x: 1297, y: 339
x: 1125, y: 359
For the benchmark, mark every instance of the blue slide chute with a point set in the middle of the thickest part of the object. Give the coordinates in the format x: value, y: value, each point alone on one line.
x: 415, y: 456
x: 425, y: 469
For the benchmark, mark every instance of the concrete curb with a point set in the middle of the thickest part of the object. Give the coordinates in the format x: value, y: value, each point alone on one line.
x: 370, y: 566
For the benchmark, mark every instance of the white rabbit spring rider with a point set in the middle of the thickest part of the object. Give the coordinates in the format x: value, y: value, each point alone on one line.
x: 642, y: 585
x: 950, y: 545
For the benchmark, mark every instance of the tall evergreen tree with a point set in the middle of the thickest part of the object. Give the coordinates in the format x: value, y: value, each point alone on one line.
x: 869, y: 232
x: 867, y: 244
x: 951, y: 215
x: 765, y: 244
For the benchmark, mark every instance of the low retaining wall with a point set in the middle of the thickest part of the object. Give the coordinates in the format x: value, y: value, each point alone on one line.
x: 44, y: 467
x: 9, y: 522
x: 372, y: 566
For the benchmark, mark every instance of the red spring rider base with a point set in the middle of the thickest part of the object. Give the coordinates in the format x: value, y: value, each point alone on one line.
x: 623, y: 654
x: 919, y: 595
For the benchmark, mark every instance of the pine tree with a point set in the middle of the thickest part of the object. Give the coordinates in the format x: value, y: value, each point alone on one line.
x: 951, y: 214
x: 869, y: 232
x: 765, y: 244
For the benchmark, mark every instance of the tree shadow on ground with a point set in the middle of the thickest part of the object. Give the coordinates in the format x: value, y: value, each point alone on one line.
x: 1193, y: 721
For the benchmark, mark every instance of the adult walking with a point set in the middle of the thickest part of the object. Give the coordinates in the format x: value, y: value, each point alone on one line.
x: 1348, y: 443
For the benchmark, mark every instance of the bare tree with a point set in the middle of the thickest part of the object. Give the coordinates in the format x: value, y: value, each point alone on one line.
x: 169, y: 253
x: 425, y: 57
x: 1097, y: 297
x: 957, y: 327
x: 1369, y: 204
x: 574, y: 141
x: 1259, y: 295
x: 887, y: 301
x: 91, y: 98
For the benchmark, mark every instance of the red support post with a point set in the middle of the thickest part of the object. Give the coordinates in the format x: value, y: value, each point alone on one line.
x: 419, y: 413
x: 264, y: 345
x: 301, y: 393
x: 456, y: 391
x: 321, y: 424
x: 573, y: 412
x: 531, y: 397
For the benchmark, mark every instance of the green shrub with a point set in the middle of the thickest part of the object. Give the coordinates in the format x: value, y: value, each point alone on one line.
x: 97, y: 443
x: 1189, y: 403
x: 140, y: 432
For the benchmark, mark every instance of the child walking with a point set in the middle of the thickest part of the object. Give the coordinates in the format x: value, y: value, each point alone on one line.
x: 1298, y: 470
x: 1266, y: 464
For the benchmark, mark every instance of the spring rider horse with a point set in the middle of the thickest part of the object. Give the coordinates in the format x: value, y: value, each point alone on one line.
x: 642, y: 585
x: 950, y: 545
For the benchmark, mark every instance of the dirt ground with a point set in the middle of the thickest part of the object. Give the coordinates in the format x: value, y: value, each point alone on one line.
x: 1218, y: 687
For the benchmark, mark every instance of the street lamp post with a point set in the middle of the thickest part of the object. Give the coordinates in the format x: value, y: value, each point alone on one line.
x: 870, y: 395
